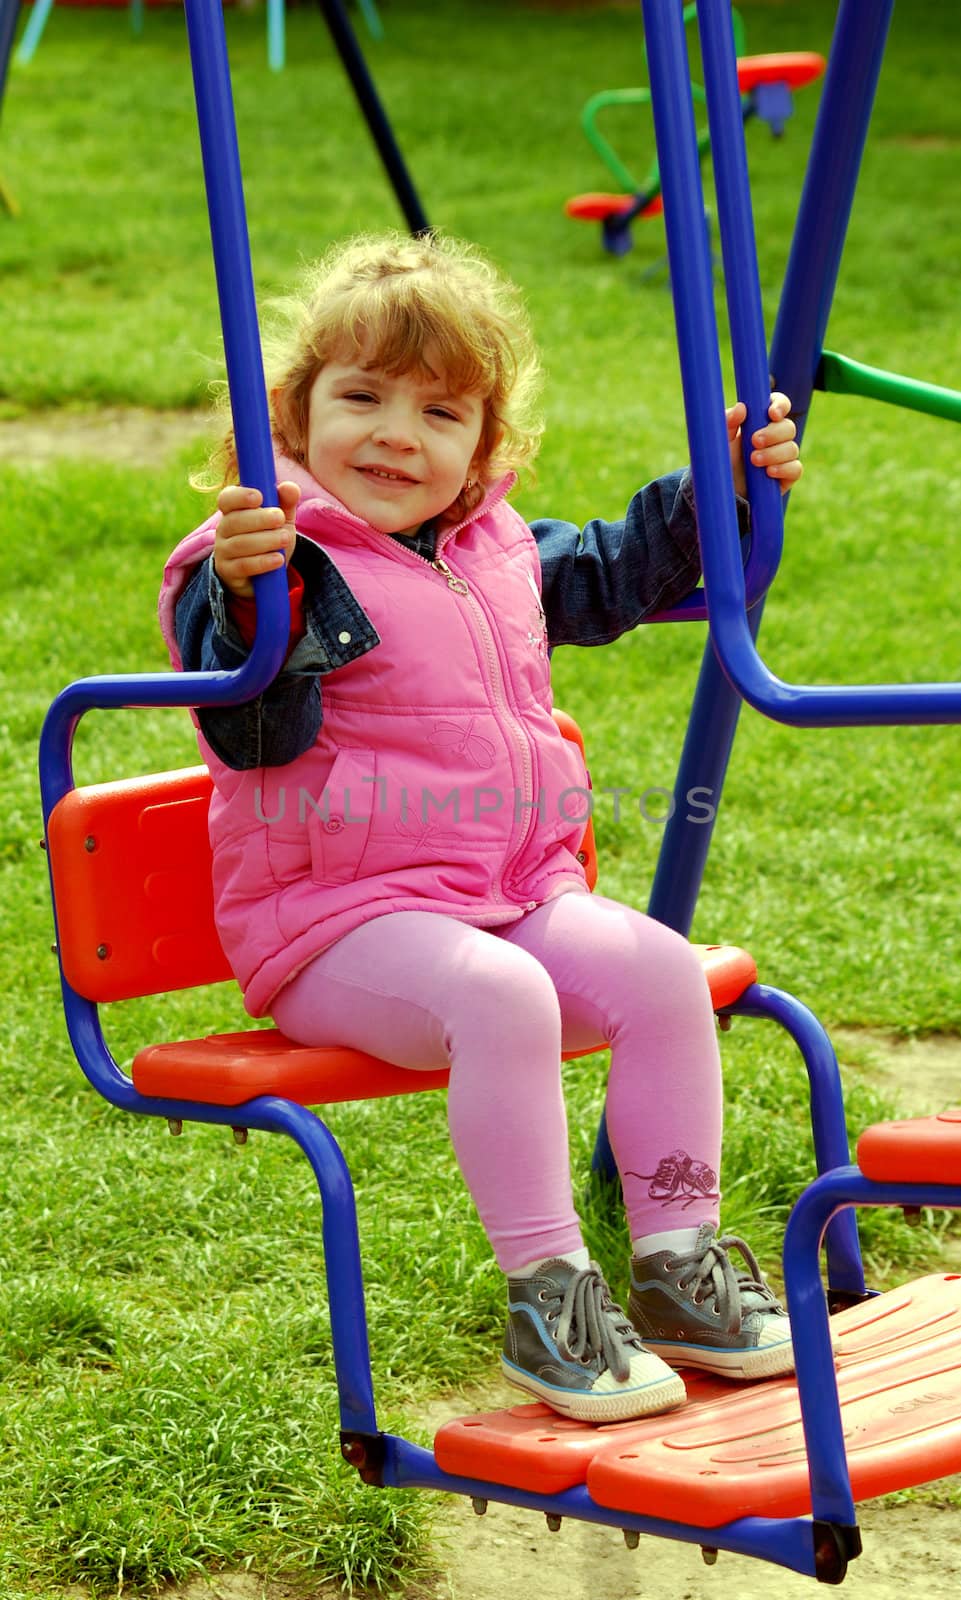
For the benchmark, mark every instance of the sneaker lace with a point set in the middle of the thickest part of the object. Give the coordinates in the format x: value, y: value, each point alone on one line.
x: 708, y: 1272
x: 590, y: 1323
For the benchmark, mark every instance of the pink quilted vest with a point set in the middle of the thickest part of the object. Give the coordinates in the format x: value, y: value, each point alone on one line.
x: 438, y: 781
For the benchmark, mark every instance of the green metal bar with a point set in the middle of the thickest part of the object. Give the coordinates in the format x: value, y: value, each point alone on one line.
x: 629, y: 97
x: 840, y: 375
x: 606, y: 151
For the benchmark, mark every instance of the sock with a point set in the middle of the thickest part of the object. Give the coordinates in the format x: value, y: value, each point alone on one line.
x: 575, y: 1258
x: 679, y: 1241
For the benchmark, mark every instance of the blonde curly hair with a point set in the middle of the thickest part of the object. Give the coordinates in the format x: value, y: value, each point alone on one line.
x: 394, y: 297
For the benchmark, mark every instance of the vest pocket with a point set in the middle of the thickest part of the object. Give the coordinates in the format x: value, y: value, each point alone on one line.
x: 339, y: 819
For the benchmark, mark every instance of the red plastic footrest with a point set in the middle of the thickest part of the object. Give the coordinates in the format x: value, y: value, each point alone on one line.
x: 736, y: 1450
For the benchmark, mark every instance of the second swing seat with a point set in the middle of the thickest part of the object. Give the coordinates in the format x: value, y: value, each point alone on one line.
x: 738, y: 1450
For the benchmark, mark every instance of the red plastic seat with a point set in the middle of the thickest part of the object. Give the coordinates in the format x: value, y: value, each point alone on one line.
x: 738, y: 1450
x: 917, y: 1150
x: 793, y: 67
x: 228, y: 1068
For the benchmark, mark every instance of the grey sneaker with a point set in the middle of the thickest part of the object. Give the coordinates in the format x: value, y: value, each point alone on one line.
x: 695, y: 1311
x: 569, y: 1345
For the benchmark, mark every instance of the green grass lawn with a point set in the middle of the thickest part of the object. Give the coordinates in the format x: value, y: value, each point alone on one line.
x: 167, y: 1389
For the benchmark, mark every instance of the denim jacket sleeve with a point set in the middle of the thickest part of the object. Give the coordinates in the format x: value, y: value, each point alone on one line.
x: 599, y: 581
x: 279, y: 725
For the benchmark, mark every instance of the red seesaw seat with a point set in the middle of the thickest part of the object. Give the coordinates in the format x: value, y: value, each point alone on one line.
x: 131, y: 871
x: 793, y: 67
x: 738, y: 1450
x: 597, y: 207
x: 916, y: 1150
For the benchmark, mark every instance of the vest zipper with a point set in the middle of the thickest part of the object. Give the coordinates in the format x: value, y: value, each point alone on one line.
x: 460, y: 586
x: 457, y: 585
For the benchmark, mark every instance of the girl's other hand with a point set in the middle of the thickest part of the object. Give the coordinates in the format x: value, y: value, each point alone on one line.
x: 773, y: 446
x: 252, y: 538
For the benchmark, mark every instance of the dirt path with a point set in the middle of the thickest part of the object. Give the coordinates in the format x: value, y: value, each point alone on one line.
x: 130, y: 436
x: 907, y: 1550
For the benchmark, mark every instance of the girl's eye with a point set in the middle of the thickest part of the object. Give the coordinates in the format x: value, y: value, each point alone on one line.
x: 360, y: 394
x: 441, y: 411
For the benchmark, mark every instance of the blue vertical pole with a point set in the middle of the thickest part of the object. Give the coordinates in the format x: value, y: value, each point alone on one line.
x: 712, y: 723
x: 9, y: 10
x: 231, y: 246
x: 685, y: 845
x: 847, y: 99
x: 853, y: 70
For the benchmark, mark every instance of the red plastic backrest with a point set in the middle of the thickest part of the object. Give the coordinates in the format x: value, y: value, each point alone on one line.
x: 130, y: 864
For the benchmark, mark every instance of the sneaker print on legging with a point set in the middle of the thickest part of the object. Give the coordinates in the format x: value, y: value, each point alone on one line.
x: 680, y: 1180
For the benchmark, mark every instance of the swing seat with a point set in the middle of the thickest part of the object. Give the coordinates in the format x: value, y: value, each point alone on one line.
x: 131, y: 872
x: 738, y: 1450
x: 795, y: 68
x: 157, y: 934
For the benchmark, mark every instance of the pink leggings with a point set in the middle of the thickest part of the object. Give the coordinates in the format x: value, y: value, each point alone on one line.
x: 423, y: 990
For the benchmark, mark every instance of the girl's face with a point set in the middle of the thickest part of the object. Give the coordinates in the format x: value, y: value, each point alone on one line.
x: 395, y: 449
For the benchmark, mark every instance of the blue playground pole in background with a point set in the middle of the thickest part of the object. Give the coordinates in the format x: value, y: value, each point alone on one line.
x: 854, y: 66
x: 276, y: 34
x: 33, y: 32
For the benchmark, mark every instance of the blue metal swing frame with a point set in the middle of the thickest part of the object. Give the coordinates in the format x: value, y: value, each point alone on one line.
x: 732, y: 670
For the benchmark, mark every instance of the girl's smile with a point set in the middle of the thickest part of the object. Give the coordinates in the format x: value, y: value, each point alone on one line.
x: 394, y: 448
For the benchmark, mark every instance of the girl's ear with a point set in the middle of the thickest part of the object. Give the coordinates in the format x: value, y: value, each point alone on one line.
x: 288, y: 425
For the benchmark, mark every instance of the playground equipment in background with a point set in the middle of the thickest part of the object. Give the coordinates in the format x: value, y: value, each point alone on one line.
x: 40, y: 16
x: 345, y: 42
x: 276, y: 28
x: 764, y: 1470
x: 766, y: 85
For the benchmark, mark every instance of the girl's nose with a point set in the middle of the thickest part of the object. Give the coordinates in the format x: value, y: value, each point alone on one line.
x: 396, y: 427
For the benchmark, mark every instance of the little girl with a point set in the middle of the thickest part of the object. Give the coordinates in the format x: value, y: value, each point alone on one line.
x: 395, y: 823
